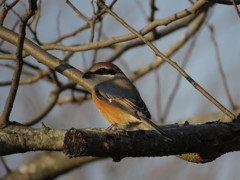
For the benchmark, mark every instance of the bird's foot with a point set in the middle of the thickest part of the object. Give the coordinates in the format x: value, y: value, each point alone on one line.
x: 114, y: 127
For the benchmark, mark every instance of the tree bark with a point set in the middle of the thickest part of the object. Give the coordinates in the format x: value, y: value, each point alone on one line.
x: 209, y: 141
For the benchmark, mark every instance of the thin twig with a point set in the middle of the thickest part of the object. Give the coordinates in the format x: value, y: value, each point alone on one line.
x: 5, y: 165
x: 158, y: 95
x: 72, y: 34
x: 33, y: 79
x: 141, y: 8
x: 2, y: 2
x: 67, y: 56
x: 236, y: 8
x: 153, y: 8
x: 169, y: 61
x: 13, y: 28
x: 193, y: 28
x: 58, y: 25
x: 78, y: 12
x: 75, y: 32
x: 37, y: 16
x: 55, y: 77
x: 151, y: 18
x: 4, y: 119
x: 52, y: 102
x: 220, y: 67
x: 109, y: 42
x: 23, y: 4
x: 92, y: 25
x: 98, y: 39
x: 5, y: 10
x: 9, y: 66
x: 35, y: 19
x: 4, y: 51
x: 178, y: 81
x: 34, y: 33
x: 70, y: 99
x: 120, y: 49
x: 225, y: 2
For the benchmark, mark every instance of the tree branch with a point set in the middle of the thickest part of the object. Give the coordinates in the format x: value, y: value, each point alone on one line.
x: 46, y: 58
x: 148, y: 28
x: 209, y: 140
x: 193, y: 28
x: 5, y: 10
x: 54, y: 163
x: 225, y: 2
x: 169, y: 61
x: 4, y: 119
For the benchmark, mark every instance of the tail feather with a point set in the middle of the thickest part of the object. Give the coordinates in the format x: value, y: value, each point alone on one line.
x: 153, y: 126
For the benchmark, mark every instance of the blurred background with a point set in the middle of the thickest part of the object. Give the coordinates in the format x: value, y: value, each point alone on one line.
x: 197, y: 56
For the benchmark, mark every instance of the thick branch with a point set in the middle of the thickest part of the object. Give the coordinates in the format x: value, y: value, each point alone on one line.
x: 45, y: 58
x: 226, y: 2
x: 47, y: 165
x: 210, y: 140
x: 19, y: 139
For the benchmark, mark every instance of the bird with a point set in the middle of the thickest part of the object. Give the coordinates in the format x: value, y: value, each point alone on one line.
x: 118, y: 100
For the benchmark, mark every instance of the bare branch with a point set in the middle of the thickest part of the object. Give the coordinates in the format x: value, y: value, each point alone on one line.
x: 236, y: 8
x: 94, y: 59
x: 218, y: 58
x: 51, y: 103
x: 193, y: 28
x: 5, y: 10
x: 209, y: 140
x: 54, y: 163
x: 71, y: 99
x: 5, y: 164
x: 4, y: 119
x: 225, y: 2
x: 151, y: 18
x: 46, y: 58
x: 197, y: 20
x: 172, y: 63
x: 74, y: 33
x: 173, y: 93
x: 57, y: 158
x: 41, y: 139
x: 30, y: 80
x: 109, y: 42
x: 78, y: 12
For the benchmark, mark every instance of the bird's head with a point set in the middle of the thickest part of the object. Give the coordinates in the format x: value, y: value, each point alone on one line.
x: 101, y: 72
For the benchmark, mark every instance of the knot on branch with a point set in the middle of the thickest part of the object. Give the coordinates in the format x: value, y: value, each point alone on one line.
x: 75, y: 143
x: 94, y: 143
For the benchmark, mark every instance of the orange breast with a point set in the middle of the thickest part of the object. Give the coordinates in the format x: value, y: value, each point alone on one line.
x: 112, y: 114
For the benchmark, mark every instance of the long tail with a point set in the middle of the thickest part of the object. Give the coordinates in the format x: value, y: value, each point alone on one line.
x: 153, y: 126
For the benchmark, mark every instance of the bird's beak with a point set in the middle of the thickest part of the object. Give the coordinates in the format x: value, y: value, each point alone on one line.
x: 87, y: 75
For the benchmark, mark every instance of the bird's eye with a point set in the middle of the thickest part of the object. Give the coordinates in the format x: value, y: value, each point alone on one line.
x: 100, y: 71
x: 111, y: 71
x: 105, y: 71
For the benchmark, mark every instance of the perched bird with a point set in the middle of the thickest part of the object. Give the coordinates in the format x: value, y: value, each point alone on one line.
x: 118, y: 100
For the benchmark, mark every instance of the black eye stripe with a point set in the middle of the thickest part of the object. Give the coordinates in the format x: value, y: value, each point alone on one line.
x: 105, y: 71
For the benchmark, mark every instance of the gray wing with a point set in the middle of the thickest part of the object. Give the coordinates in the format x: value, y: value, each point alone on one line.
x: 123, y: 98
